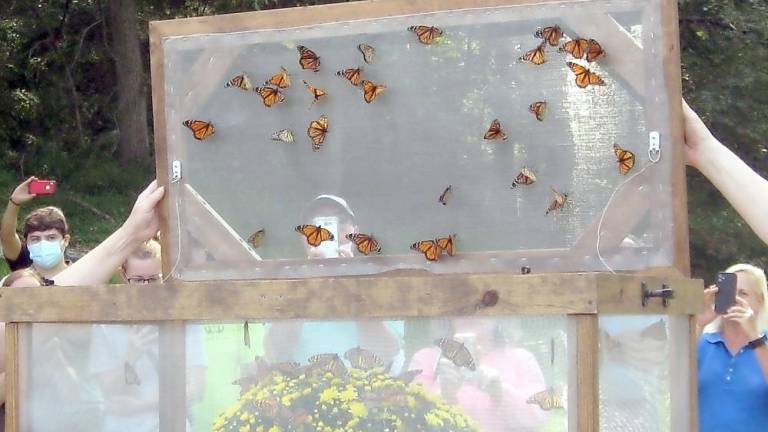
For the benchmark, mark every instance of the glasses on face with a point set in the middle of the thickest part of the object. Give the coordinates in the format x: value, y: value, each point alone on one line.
x: 144, y: 280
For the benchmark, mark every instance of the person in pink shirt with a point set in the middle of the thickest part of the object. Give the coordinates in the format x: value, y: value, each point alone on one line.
x: 495, y: 394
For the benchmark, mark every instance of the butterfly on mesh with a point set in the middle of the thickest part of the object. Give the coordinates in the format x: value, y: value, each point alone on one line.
x: 426, y: 34
x: 550, y: 34
x: 269, y: 95
x: 363, y: 359
x: 581, y: 48
x: 368, y: 52
x: 446, y: 244
x: 548, y: 399
x: 280, y: 80
x: 317, y: 131
x: 456, y: 352
x: 371, y: 90
x: 257, y: 238
x: 366, y: 244
x: 200, y: 129
x: 558, y: 201
x: 495, y: 131
x: 314, y: 234
x: 625, y: 158
x: 284, y: 135
x: 240, y: 81
x: 329, y: 363
x: 429, y: 248
x: 539, y: 109
x: 353, y: 75
x: 445, y: 195
x: 526, y: 177
x: 308, y: 59
x: 317, y: 92
x: 584, y: 76
x: 536, y: 55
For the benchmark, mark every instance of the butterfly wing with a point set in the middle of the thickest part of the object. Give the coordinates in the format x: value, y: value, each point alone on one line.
x: 538, y: 109
x: 558, y: 201
x: 551, y: 34
x: 314, y: 234
x: 575, y: 47
x: 317, y: 131
x: 625, y: 158
x: 200, y: 129
x: 584, y: 76
x: 536, y: 55
x: 456, y: 352
x: 594, y: 50
x: 368, y: 52
x: 371, y: 90
x: 317, y: 92
x: 366, y: 244
x: 240, y: 81
x: 308, y: 59
x: 270, y: 95
x: 256, y: 238
x: 495, y: 132
x: 284, y: 135
x: 429, y: 248
x: 525, y: 177
x: 426, y: 34
x: 353, y: 75
x: 446, y: 244
x: 280, y: 80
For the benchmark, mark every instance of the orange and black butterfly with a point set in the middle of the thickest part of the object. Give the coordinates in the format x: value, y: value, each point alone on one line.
x: 257, y: 238
x: 594, y: 51
x: 584, y: 76
x: 317, y: 92
x: 578, y: 48
x: 354, y: 75
x: 366, y: 244
x: 315, y: 234
x: 200, y: 129
x: 316, y: 132
x: 426, y: 34
x: 538, y: 109
x: 429, y: 248
x: 241, y: 81
x: 368, y: 52
x: 548, y: 399
x: 269, y: 95
x: 363, y: 359
x: 536, y: 55
x: 495, y: 132
x: 446, y: 244
x: 456, y: 352
x: 308, y: 59
x: 268, y: 407
x: 551, y: 34
x: 280, y: 80
x: 558, y: 201
x: 371, y: 90
x: 526, y: 177
x: 444, y: 196
x: 625, y: 158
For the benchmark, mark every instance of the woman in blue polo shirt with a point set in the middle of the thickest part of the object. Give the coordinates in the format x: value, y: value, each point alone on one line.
x: 733, y: 357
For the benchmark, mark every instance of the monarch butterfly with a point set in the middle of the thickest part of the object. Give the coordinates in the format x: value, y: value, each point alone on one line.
x: 558, y: 201
x: 269, y: 95
x: 285, y: 367
x: 446, y: 244
x: 426, y: 34
x: 495, y: 132
x: 131, y: 377
x: 200, y: 129
x: 429, y: 248
x: 280, y: 79
x: 408, y: 376
x: 584, y: 76
x: 371, y: 90
x: 257, y: 238
x: 547, y: 399
x: 284, y: 135
x: 526, y: 177
x: 536, y: 55
x: 595, y: 51
x: 308, y: 59
x: 317, y: 131
x: 444, y: 196
x: 268, y: 407
x: 315, y: 234
x: 365, y: 243
x: 241, y: 81
x: 579, y: 47
x: 456, y: 352
x: 363, y: 359
x: 368, y: 52
x: 551, y: 34
x: 524, y: 270
x: 330, y: 363
x: 354, y: 75
x: 538, y: 108
x: 317, y: 92
x: 625, y: 158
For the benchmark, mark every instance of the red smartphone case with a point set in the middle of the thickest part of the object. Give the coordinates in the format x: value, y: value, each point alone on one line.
x: 42, y: 187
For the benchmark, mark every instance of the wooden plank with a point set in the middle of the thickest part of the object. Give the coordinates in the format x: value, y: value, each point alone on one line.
x: 172, y: 375
x: 587, y: 385
x: 322, y: 298
x: 622, y: 294
x: 11, y: 377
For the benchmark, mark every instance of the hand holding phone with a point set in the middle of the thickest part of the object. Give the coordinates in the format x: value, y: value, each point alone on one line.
x: 726, y: 292
x: 42, y: 187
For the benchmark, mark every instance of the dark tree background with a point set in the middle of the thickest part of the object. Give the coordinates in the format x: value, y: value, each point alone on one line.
x: 75, y: 105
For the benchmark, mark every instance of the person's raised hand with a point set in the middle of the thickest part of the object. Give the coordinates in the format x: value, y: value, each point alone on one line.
x: 21, y: 195
x: 744, y: 315
x: 145, y: 219
x: 698, y: 139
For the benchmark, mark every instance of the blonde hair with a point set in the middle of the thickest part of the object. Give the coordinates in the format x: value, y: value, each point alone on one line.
x: 762, y: 314
x: 150, y: 249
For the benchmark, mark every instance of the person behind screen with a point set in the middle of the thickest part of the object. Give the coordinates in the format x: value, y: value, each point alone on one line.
x: 45, y: 235
x: 494, y: 395
x: 124, y: 358
x: 746, y: 190
x: 733, y: 357
x: 297, y: 341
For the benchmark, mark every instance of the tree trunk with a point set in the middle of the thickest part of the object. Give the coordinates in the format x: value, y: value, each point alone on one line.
x: 131, y: 82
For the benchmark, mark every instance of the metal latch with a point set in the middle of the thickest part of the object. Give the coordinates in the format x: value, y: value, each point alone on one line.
x: 665, y: 294
x: 175, y: 171
x: 654, y: 146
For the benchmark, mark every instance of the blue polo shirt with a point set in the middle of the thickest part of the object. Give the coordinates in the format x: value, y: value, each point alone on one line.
x: 733, y: 393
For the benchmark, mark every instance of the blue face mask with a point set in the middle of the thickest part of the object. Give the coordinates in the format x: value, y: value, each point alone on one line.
x: 46, y: 254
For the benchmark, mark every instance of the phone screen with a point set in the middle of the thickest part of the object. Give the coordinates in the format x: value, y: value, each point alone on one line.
x: 726, y: 292
x: 328, y: 248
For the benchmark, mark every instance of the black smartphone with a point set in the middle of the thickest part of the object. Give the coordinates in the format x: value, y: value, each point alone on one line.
x: 726, y: 292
